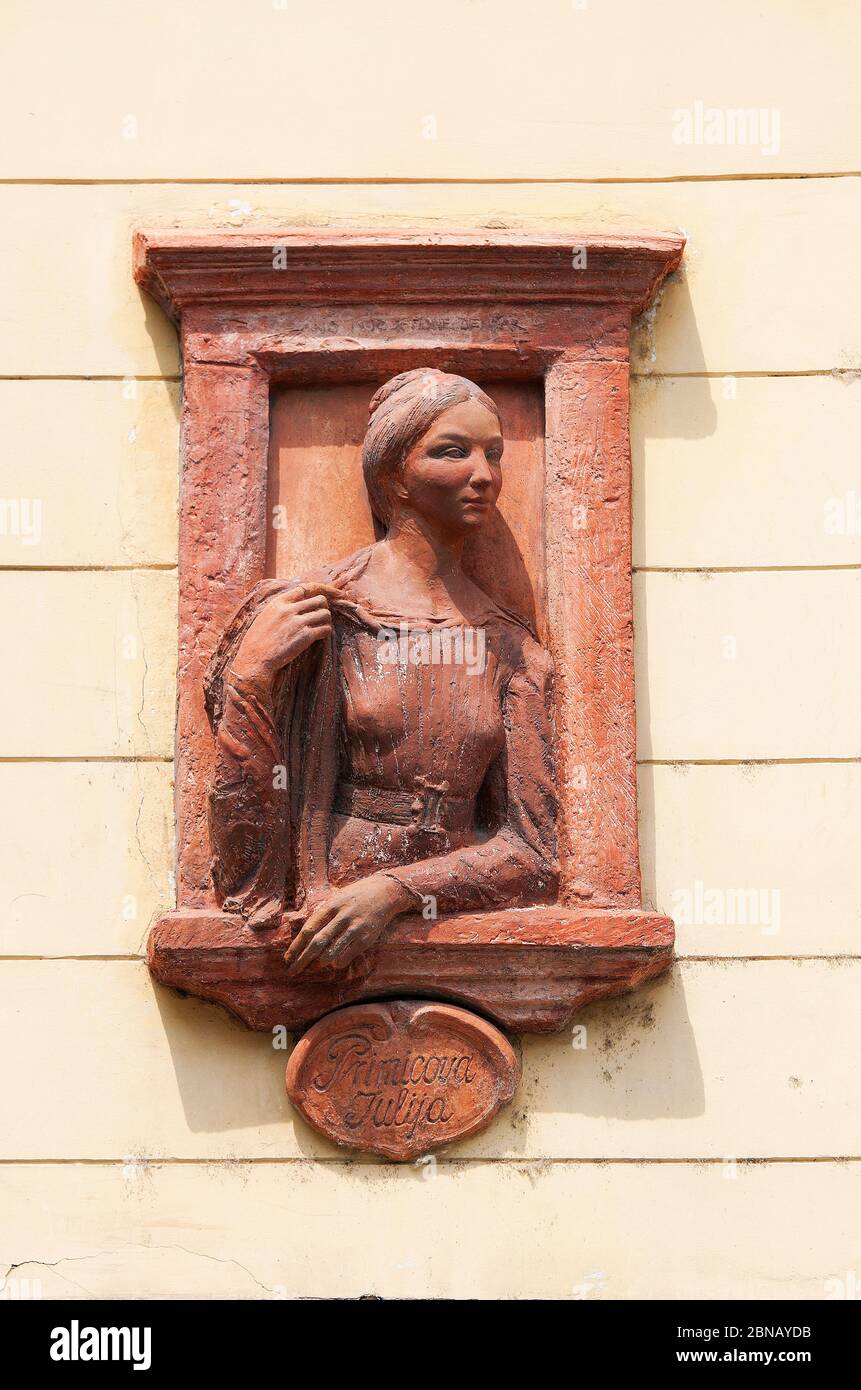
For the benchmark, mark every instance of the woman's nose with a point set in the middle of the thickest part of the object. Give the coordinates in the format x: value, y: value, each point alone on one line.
x: 481, y: 471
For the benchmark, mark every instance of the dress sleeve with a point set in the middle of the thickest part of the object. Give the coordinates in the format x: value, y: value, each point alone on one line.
x: 517, y: 865
x: 248, y: 820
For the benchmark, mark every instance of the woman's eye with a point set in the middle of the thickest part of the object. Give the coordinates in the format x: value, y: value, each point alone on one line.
x: 450, y: 451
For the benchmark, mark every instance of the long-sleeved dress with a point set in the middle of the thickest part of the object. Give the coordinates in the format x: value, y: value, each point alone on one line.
x: 399, y: 745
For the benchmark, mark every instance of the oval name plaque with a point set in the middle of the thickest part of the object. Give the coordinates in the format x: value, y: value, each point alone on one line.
x: 401, y: 1078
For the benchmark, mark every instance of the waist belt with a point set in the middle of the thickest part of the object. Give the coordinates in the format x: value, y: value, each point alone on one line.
x: 427, y: 807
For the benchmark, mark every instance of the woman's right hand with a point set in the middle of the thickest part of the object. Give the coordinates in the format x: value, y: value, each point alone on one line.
x: 286, y: 626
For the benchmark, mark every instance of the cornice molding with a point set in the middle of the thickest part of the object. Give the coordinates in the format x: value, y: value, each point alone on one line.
x: 182, y: 270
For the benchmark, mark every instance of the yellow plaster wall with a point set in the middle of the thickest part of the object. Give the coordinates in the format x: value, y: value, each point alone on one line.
x: 704, y: 1142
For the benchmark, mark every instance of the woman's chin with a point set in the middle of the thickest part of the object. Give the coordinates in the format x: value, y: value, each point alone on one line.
x: 474, y: 515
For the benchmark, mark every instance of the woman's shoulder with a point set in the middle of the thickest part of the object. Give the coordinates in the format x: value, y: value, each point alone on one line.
x: 519, y: 641
x: 516, y: 625
x: 342, y: 571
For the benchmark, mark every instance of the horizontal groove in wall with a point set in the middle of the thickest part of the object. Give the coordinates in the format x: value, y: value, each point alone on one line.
x: 113, y: 959
x: 371, y: 181
x: 103, y: 569
x: 641, y: 762
x: 848, y: 373
x: 167, y: 566
x: 829, y: 958
x: 89, y: 376
x: 232, y: 1162
x: 741, y: 762
x: 839, y: 373
x: 739, y: 569
x: 92, y: 758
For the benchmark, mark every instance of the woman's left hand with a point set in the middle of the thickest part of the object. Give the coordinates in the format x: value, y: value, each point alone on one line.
x: 348, y: 922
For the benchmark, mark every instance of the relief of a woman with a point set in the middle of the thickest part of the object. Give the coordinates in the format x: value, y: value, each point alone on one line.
x: 383, y: 728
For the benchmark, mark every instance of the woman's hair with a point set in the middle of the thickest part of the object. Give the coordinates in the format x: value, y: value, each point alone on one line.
x: 400, y: 413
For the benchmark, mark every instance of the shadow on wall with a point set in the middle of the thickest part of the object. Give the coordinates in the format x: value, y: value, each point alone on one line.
x: 639, y: 1062
x: 163, y: 336
x: 228, y: 1077
x: 680, y: 340
x: 691, y: 415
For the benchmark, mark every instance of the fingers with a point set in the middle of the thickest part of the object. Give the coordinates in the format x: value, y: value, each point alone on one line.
x: 312, y: 630
x: 316, y: 604
x: 317, y: 622
x: 311, y: 611
x: 306, y: 933
x: 350, y: 942
x: 312, y: 591
x: 298, y: 625
x: 309, y: 608
x: 339, y: 941
x: 318, y: 918
x: 318, y: 932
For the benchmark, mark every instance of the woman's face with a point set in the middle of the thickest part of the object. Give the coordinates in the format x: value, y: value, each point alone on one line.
x: 453, y: 475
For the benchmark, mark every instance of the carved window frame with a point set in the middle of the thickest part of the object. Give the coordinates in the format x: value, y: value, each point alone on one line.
x: 259, y: 310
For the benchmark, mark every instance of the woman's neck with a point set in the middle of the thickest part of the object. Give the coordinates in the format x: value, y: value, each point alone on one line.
x: 416, y: 573
x: 427, y: 557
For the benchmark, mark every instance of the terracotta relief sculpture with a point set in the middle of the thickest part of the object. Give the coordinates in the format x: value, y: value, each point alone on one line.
x: 383, y: 728
x: 405, y: 775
